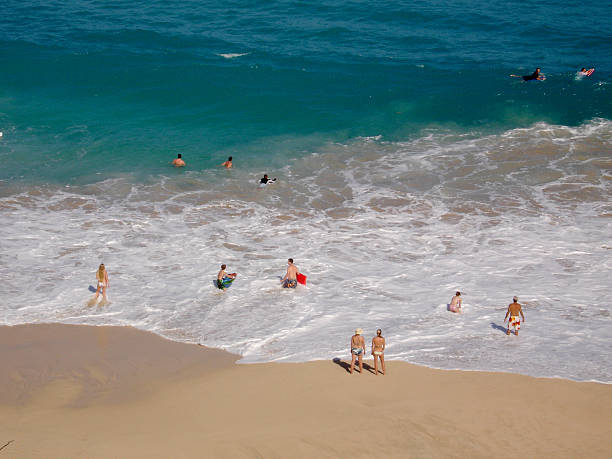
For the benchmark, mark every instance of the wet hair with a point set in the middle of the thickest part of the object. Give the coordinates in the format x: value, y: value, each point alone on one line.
x: 458, y: 293
x: 265, y: 175
x: 583, y: 69
x: 538, y: 68
x: 379, y: 332
x: 223, y: 266
x: 100, y: 273
x: 229, y: 159
x: 179, y: 156
x: 290, y: 260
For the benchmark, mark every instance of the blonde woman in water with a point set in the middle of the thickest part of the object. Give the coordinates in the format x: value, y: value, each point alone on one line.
x: 103, y: 284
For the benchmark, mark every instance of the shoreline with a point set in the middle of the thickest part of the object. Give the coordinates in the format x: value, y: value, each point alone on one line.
x: 88, y: 391
x: 238, y: 357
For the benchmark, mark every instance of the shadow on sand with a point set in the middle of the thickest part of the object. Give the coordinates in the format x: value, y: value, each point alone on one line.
x: 347, y: 365
x: 498, y: 327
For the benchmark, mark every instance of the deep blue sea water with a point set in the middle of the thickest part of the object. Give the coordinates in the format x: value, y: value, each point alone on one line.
x: 410, y: 165
x: 121, y: 86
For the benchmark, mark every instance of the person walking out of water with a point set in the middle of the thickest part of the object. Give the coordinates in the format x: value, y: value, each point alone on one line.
x: 227, y: 164
x: 378, y: 351
x: 224, y: 280
x: 103, y: 284
x: 357, y: 349
x: 290, y: 279
x: 534, y: 76
x: 514, y: 309
x: 178, y: 161
x: 455, y: 304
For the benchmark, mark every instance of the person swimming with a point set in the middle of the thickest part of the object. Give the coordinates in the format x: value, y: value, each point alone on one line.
x: 227, y: 164
x: 178, y: 161
x: 536, y: 75
x: 265, y: 180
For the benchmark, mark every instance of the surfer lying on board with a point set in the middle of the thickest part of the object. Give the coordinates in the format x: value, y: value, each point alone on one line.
x: 265, y: 180
x: 584, y: 72
x: 178, y: 161
x: 290, y: 279
x: 223, y: 279
x: 534, y: 76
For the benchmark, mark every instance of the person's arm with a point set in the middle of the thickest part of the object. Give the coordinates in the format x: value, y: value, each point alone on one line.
x: 372, y: 346
x: 363, y: 345
x: 507, y: 312
x: 522, y: 315
x: 106, y: 279
x: 384, y: 344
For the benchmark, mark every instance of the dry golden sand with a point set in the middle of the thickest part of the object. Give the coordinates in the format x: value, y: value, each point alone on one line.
x: 106, y: 392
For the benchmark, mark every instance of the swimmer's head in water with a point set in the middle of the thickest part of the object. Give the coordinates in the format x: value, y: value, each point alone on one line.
x: 583, y: 69
x: 223, y: 266
x: 458, y: 293
x: 290, y: 260
x: 179, y: 156
x: 379, y: 332
x: 229, y: 159
x: 515, y: 299
x: 265, y: 175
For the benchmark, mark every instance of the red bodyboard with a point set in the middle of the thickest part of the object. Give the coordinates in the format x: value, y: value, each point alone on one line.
x: 301, y: 279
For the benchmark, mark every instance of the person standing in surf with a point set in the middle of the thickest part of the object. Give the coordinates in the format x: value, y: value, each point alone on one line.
x: 358, y: 349
x: 455, y: 304
x: 290, y: 279
x: 514, y: 309
x: 378, y: 351
x: 534, y: 76
x: 178, y: 161
x: 103, y: 284
x: 224, y: 279
x: 227, y: 164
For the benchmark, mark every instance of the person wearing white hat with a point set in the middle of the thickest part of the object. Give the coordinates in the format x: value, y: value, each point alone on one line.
x: 358, y: 349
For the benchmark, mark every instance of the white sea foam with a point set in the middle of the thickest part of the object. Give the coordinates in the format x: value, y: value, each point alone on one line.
x: 232, y: 55
x: 386, y: 233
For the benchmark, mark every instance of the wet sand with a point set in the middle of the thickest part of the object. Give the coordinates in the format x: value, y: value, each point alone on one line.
x: 100, y: 392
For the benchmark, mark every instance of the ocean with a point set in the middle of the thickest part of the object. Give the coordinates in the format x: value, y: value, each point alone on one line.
x: 409, y: 164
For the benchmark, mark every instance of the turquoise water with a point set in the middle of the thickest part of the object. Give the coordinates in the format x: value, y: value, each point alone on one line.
x: 120, y: 87
x: 409, y: 164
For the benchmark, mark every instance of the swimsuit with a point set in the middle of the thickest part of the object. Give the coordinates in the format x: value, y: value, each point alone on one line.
x: 290, y: 283
x: 357, y: 350
x: 378, y: 352
x: 515, y: 322
x: 225, y: 283
x: 533, y: 76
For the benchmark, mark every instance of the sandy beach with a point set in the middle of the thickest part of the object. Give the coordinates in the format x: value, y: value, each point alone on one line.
x: 101, y: 392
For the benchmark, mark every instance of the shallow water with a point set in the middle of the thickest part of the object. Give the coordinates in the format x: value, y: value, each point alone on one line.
x: 409, y: 166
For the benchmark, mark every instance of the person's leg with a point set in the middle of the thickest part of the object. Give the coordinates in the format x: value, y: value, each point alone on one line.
x: 382, y: 363
x: 375, y: 365
x: 104, y: 293
x: 98, y: 291
x: 352, y: 362
x: 361, y: 363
